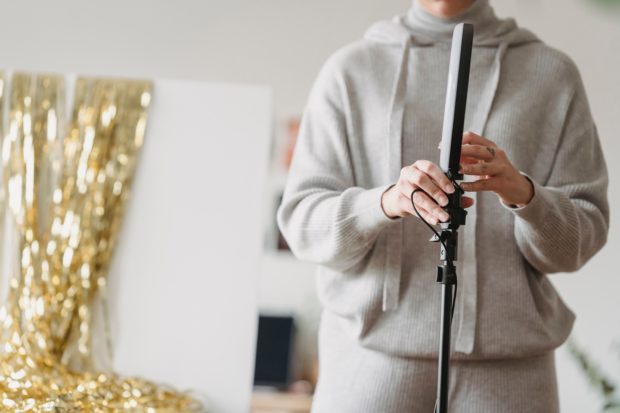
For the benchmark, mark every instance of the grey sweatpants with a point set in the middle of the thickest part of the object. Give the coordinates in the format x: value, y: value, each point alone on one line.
x: 353, y: 379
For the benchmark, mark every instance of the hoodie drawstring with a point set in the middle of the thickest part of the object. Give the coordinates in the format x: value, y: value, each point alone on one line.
x: 393, y: 269
x: 490, y: 90
x: 468, y: 279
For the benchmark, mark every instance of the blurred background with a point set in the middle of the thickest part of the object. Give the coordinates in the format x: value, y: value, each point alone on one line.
x: 282, y: 44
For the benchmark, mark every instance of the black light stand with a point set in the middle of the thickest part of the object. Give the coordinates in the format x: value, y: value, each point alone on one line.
x: 452, y: 138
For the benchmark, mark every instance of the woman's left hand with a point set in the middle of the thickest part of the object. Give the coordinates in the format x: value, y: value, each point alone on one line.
x: 494, y: 171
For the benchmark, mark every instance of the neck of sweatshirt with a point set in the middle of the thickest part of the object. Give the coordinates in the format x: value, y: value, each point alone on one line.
x: 436, y: 29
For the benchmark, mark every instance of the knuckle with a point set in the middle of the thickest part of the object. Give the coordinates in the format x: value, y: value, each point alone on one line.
x: 414, y: 176
x: 421, y: 177
x: 424, y: 166
x: 407, y: 170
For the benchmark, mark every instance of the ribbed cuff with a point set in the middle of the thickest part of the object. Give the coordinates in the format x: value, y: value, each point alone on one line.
x: 369, y: 211
x: 534, y: 211
x: 513, y: 207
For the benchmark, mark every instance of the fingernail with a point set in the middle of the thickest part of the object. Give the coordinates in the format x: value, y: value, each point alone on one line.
x: 445, y: 217
x: 450, y: 189
x: 443, y: 200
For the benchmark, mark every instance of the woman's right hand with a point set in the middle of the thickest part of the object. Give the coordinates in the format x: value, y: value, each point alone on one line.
x: 396, y: 202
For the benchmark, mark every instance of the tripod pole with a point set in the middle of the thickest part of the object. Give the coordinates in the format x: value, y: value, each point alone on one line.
x: 447, y: 294
x: 446, y: 276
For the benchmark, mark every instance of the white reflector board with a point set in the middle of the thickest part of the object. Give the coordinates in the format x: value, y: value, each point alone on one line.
x: 184, y: 277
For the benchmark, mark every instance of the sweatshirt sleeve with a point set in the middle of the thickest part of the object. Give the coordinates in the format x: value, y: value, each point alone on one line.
x: 567, y: 220
x: 324, y: 216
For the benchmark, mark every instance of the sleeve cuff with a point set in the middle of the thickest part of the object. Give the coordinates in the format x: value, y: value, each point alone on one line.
x: 514, y: 207
x: 537, y: 206
x: 371, y: 216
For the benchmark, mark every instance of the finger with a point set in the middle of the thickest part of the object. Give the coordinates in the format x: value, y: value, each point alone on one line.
x: 421, y: 180
x: 430, y: 218
x: 436, y: 173
x: 480, y: 152
x: 423, y: 213
x: 482, y: 168
x: 480, y: 185
x: 466, y: 202
x: 423, y: 200
x: 467, y: 160
x: 472, y: 138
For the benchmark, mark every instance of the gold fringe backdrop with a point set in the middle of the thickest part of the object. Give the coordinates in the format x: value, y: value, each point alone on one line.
x: 64, y: 189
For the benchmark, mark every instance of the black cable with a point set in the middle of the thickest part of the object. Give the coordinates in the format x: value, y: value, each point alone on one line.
x: 422, y: 218
x: 456, y: 287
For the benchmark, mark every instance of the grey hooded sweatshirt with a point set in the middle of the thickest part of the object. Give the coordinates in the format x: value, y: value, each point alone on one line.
x: 376, y: 106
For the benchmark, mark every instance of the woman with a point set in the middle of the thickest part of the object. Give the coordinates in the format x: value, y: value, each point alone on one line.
x: 537, y: 205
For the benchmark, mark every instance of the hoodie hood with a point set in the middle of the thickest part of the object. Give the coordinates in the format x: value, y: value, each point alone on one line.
x: 424, y: 28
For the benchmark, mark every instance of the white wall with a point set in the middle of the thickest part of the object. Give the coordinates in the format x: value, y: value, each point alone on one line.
x: 283, y: 43
x: 279, y: 42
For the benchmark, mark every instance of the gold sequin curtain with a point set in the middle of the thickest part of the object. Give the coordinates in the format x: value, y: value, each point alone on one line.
x: 64, y: 189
